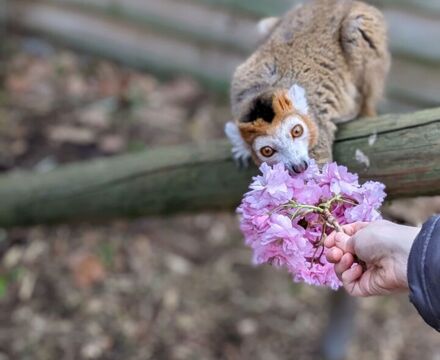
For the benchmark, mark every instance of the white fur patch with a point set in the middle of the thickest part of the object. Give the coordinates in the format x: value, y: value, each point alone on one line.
x: 289, y: 151
x: 240, y: 150
x: 266, y: 25
x: 297, y: 95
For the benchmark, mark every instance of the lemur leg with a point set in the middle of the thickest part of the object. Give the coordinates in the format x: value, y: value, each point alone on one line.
x: 364, y: 40
x: 371, y: 97
x: 372, y: 90
x: 323, y: 151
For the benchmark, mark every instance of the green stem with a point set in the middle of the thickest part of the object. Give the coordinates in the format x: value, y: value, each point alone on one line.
x: 309, y: 207
x: 349, y: 202
x: 324, y: 211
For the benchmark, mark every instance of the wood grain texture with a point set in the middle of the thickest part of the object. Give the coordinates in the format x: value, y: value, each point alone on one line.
x: 429, y: 7
x: 269, y: 8
x: 183, y: 19
x: 140, y: 47
x: 190, y: 178
x: 414, y: 82
x: 404, y: 153
x: 208, y: 39
x: 414, y: 34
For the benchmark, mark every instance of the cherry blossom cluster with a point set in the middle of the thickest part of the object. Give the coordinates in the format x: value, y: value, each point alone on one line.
x: 285, y: 219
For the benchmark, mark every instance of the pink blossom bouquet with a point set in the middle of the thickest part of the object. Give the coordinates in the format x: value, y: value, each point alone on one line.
x: 285, y: 218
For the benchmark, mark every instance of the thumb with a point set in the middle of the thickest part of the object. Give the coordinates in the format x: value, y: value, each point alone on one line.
x: 344, y: 242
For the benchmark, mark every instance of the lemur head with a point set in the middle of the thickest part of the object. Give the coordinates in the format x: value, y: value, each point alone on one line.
x: 275, y: 128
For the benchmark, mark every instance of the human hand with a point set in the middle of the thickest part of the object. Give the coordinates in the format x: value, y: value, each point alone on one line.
x: 382, y: 245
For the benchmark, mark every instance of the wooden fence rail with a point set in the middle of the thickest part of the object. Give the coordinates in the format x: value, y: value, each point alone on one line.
x: 402, y: 151
x: 207, y: 39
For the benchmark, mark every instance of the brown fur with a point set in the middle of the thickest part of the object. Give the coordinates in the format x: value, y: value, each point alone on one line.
x: 283, y: 108
x: 335, y: 49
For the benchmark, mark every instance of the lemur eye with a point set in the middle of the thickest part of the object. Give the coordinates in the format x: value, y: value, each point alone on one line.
x: 297, y: 131
x: 267, y: 151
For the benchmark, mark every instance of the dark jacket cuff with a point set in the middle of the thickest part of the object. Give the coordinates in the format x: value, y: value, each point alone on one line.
x: 424, y: 272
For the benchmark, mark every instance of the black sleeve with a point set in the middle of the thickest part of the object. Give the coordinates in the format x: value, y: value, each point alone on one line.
x: 424, y: 272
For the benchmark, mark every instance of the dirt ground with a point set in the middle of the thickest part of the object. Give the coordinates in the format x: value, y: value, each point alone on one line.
x: 175, y: 288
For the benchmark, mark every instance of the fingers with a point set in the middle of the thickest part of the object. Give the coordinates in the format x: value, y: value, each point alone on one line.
x: 344, y: 242
x: 341, y: 252
x: 346, y: 262
x: 329, y: 241
x: 349, y: 229
x: 340, y: 244
x: 350, y: 280
x: 340, y: 240
x: 334, y: 255
x: 350, y: 273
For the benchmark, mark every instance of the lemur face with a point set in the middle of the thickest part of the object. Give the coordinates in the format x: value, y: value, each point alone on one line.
x: 275, y: 129
x: 287, y: 143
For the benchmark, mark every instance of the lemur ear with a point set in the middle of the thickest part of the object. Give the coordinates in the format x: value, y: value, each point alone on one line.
x: 266, y: 25
x: 297, y: 95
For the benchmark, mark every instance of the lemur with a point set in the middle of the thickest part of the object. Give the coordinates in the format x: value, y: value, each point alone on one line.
x: 323, y: 63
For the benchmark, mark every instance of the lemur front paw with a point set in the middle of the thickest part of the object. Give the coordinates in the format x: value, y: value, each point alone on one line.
x: 240, y: 150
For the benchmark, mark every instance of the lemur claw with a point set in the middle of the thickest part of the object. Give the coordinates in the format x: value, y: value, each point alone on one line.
x: 241, y: 162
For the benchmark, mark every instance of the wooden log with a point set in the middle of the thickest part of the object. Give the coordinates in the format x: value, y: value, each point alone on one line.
x: 412, y: 34
x: 258, y: 8
x: 414, y: 82
x: 139, y: 47
x: 269, y: 8
x: 399, y: 150
x: 183, y: 19
x: 3, y: 11
x: 141, y: 44
x: 429, y: 7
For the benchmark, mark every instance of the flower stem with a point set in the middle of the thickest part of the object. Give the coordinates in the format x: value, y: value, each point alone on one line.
x: 324, y: 211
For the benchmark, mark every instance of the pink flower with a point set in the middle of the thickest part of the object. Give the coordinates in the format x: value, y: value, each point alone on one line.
x: 370, y: 199
x: 339, y: 179
x: 310, y: 194
x: 281, y: 227
x: 273, y: 185
x: 272, y: 254
x: 279, y: 221
x: 318, y: 275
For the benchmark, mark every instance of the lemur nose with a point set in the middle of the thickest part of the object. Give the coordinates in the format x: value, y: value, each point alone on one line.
x: 301, y: 167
